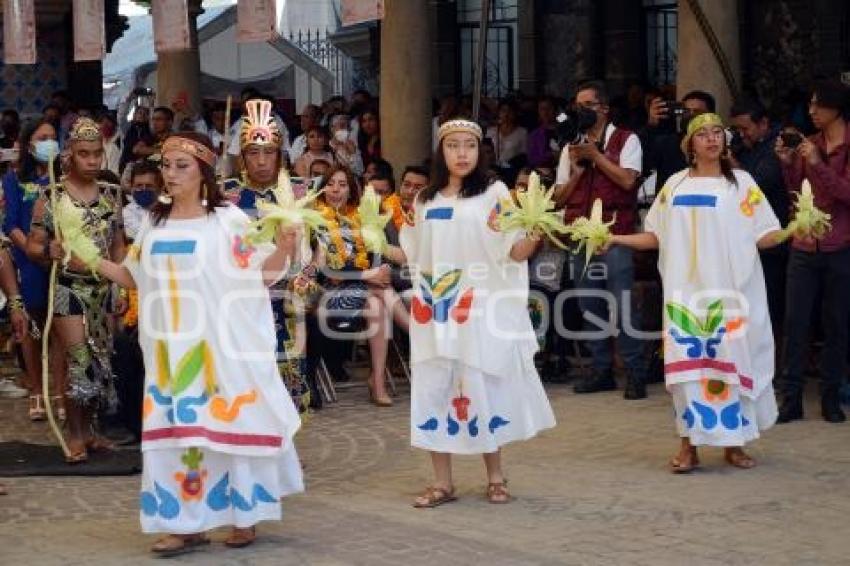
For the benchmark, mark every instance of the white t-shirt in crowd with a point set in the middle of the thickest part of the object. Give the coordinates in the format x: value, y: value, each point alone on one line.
x: 631, y: 157
x: 509, y: 146
x: 299, y: 146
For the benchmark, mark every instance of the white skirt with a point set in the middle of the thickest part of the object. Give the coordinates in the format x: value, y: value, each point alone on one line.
x: 193, y: 490
x: 461, y: 410
x: 713, y: 413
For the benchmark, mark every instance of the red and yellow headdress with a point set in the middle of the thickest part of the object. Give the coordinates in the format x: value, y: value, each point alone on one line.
x: 259, y: 126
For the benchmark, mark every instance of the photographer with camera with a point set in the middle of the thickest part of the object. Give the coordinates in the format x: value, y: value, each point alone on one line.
x: 823, y: 159
x: 665, y: 128
x: 603, y: 161
x: 752, y: 150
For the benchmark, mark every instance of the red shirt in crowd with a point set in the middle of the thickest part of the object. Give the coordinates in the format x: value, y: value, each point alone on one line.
x: 830, y: 180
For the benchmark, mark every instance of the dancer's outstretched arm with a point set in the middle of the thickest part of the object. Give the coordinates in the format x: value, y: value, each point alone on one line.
x: 116, y: 273
x: 641, y: 241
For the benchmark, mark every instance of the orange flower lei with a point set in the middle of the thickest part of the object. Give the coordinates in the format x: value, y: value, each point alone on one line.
x: 338, y: 259
x: 392, y: 204
x: 131, y: 317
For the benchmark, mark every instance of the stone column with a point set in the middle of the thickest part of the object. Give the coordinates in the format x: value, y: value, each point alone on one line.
x: 179, y: 72
x: 698, y: 68
x: 405, y: 82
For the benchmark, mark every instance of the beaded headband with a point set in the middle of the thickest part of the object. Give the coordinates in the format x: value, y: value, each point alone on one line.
x: 259, y: 126
x: 193, y: 148
x: 698, y: 122
x: 460, y: 125
x: 85, y: 129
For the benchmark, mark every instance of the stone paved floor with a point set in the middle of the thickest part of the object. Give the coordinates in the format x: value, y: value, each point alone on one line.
x: 592, y: 491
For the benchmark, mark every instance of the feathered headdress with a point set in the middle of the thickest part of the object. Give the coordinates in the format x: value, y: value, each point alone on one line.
x: 259, y: 126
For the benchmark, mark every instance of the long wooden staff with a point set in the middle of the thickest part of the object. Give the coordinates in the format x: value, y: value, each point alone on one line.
x: 225, y: 155
x: 45, y: 382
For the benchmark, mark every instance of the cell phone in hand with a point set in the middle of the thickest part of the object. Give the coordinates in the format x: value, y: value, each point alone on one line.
x: 791, y: 140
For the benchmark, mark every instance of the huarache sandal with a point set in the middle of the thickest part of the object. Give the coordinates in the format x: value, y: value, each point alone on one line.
x: 497, y: 493
x: 59, y: 400
x: 37, y: 412
x: 685, y: 466
x: 77, y: 453
x: 434, y: 497
x: 100, y: 444
x: 175, y: 545
x: 240, y: 538
x: 738, y: 458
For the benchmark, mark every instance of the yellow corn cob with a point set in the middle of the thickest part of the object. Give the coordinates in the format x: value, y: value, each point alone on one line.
x: 534, y: 212
x: 809, y: 221
x: 591, y: 233
x: 372, y: 222
x: 287, y: 211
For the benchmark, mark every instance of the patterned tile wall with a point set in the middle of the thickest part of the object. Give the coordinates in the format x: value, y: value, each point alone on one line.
x: 27, y: 88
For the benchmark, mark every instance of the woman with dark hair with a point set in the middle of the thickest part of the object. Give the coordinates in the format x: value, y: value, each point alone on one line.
x: 217, y: 421
x: 20, y: 192
x: 509, y: 138
x: 474, y: 384
x: 708, y: 223
x: 369, y: 136
x: 353, y: 286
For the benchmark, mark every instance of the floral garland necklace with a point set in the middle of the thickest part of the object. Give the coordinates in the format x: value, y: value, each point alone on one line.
x: 339, y: 256
x: 392, y: 204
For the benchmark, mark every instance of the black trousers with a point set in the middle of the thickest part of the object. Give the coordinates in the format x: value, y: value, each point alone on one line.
x: 811, y: 274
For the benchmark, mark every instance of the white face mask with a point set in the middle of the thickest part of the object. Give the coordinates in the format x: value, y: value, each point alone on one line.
x: 341, y: 135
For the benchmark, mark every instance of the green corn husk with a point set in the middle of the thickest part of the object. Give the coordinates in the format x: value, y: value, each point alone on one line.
x: 534, y: 213
x: 372, y: 222
x: 287, y: 211
x: 809, y: 221
x: 69, y: 220
x: 591, y: 233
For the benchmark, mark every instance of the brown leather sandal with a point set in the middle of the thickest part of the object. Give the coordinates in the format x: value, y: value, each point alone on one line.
x: 100, y: 444
x: 434, y: 497
x: 677, y: 466
x: 77, y: 455
x: 175, y: 545
x: 498, y: 494
x: 240, y: 538
x: 738, y: 458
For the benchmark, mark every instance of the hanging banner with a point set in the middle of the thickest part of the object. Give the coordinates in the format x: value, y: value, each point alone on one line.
x: 171, y: 25
x: 257, y: 20
x: 89, y: 30
x: 19, y: 32
x: 359, y: 11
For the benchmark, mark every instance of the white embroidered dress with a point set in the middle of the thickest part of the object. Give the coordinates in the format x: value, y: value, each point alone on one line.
x: 474, y: 384
x: 218, y: 423
x: 718, y: 341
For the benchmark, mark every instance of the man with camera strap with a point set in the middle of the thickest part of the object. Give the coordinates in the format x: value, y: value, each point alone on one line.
x: 604, y: 162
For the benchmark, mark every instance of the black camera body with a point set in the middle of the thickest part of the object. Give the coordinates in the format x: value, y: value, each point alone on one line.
x: 674, y: 109
x: 572, y: 127
x: 791, y: 140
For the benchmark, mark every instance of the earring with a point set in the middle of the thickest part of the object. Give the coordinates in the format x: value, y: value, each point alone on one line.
x: 164, y: 198
x: 204, y: 197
